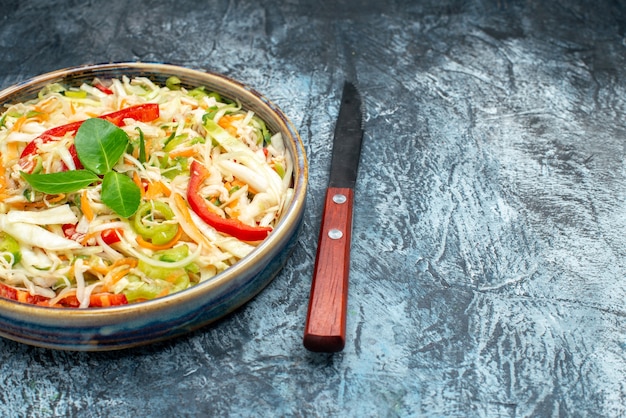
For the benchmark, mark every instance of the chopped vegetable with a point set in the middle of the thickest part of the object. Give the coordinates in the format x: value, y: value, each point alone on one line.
x: 141, y: 113
x: 99, y: 145
x: 122, y: 191
x: 9, y: 248
x: 154, y: 221
x: 200, y: 206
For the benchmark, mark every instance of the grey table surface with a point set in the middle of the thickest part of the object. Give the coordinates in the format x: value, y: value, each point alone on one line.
x: 488, y: 266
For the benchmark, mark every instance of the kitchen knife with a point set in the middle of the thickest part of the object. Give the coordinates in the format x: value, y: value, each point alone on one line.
x: 325, y: 329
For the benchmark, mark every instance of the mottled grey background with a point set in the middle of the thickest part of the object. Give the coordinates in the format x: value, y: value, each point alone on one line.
x: 489, y: 231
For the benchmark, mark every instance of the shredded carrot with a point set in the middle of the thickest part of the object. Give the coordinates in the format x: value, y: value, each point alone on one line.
x: 85, y: 207
x: 147, y: 142
x: 46, y: 106
x: 3, y: 182
x: 139, y: 184
x: 142, y: 242
x: 17, y: 205
x: 11, y: 152
x: 37, y: 204
x: 192, y: 230
x: 115, y: 277
x: 118, y: 270
x: 237, y: 183
x: 131, y: 262
x: 99, y: 269
x: 40, y: 116
x: 89, y: 236
x: 173, y: 276
x: 27, y: 205
x: 232, y: 209
x: 157, y: 189
x: 226, y: 122
x: 18, y: 124
x: 55, y: 199
x: 184, y: 152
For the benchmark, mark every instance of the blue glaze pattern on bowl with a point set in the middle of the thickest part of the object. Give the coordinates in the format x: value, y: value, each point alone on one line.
x: 99, y: 329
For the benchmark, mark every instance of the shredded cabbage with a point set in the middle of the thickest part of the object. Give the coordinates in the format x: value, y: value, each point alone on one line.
x: 74, y: 247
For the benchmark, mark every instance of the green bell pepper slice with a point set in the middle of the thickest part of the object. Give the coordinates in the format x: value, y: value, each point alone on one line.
x: 9, y: 245
x: 151, y: 221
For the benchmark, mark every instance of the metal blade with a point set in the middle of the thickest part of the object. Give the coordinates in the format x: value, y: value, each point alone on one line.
x: 347, y: 141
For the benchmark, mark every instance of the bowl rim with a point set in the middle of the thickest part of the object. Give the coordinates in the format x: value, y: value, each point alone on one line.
x: 290, y: 217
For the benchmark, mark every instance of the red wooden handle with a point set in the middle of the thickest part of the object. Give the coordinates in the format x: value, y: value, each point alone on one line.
x: 325, y: 329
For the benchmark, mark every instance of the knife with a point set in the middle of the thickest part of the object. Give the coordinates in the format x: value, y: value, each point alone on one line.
x: 325, y: 328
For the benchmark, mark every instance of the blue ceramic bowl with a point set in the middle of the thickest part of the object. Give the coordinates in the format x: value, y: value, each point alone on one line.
x: 99, y: 329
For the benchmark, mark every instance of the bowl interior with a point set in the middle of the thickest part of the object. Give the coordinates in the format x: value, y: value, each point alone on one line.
x: 225, y: 289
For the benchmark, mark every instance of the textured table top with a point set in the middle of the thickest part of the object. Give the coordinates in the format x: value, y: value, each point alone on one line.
x: 488, y: 270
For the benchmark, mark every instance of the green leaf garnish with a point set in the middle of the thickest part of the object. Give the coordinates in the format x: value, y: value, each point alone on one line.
x: 120, y: 193
x: 63, y: 182
x: 100, y: 144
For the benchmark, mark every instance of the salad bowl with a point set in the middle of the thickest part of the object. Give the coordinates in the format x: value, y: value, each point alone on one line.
x: 149, y: 321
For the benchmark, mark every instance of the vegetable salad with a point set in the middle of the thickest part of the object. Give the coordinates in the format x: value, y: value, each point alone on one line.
x: 122, y: 190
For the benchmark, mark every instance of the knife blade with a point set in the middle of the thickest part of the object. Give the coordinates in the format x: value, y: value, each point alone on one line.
x: 325, y: 328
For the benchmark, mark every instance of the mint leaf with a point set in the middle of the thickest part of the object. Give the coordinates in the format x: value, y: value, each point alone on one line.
x: 120, y: 193
x: 100, y: 144
x: 62, y: 182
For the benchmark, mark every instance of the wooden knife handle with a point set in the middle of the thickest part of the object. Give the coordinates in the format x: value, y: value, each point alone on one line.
x: 325, y: 328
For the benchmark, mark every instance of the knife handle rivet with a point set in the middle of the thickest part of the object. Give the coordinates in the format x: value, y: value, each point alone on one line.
x: 335, y: 234
x: 339, y: 198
